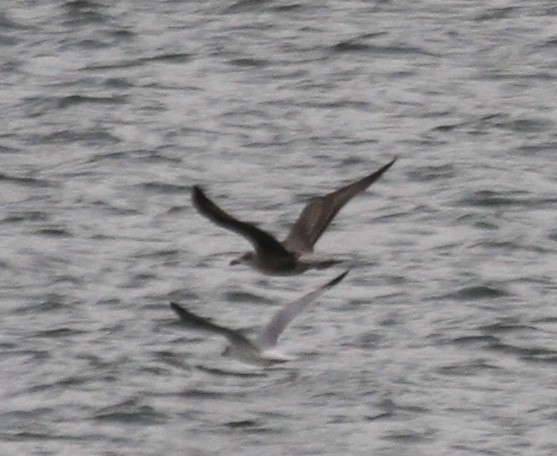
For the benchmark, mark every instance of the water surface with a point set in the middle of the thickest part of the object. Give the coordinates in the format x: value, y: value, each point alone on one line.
x: 442, y: 340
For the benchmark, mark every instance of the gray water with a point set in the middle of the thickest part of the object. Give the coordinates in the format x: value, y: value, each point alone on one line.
x: 442, y: 339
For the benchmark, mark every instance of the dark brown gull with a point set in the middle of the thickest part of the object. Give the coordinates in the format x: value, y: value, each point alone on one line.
x: 295, y: 254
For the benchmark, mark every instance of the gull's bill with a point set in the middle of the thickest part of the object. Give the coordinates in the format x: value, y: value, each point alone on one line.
x: 290, y: 256
x: 261, y: 350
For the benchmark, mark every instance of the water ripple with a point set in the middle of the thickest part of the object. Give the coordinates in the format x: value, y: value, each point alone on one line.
x: 475, y: 293
x: 130, y: 412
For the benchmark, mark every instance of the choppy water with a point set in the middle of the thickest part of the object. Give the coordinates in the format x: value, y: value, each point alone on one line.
x: 443, y: 339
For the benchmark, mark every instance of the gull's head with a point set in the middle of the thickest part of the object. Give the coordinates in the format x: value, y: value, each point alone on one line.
x: 247, y: 258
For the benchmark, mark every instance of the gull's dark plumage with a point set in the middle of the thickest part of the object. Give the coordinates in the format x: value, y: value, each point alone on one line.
x: 290, y: 256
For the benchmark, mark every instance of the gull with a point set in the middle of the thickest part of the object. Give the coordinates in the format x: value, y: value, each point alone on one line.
x: 295, y: 254
x: 262, y: 350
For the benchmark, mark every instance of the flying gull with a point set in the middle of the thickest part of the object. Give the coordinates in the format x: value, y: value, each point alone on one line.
x: 294, y: 254
x: 262, y: 350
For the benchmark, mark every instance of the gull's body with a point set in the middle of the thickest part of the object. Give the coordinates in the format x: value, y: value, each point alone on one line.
x: 295, y: 254
x: 261, y: 350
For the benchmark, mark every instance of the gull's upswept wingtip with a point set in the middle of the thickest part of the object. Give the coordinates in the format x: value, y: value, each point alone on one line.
x: 197, y: 193
x: 190, y: 318
x: 337, y: 279
x: 388, y: 165
x: 183, y: 314
x: 176, y: 308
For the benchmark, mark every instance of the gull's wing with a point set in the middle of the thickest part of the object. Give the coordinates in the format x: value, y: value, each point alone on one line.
x: 234, y: 337
x: 270, y: 334
x: 263, y: 242
x: 319, y: 212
